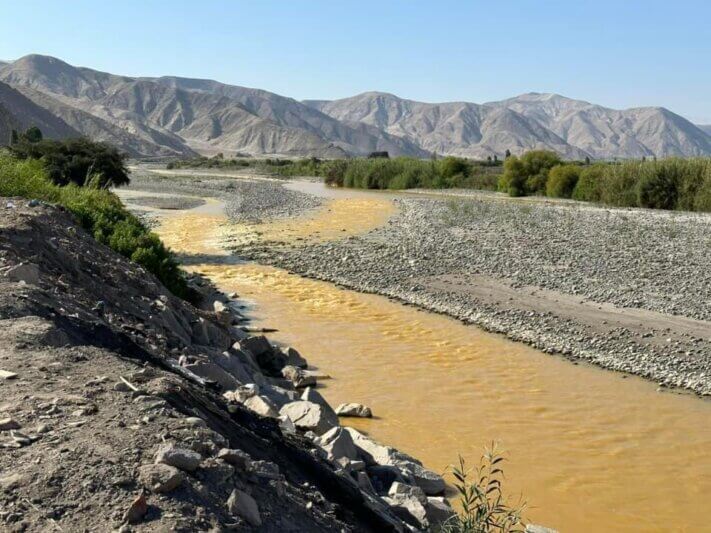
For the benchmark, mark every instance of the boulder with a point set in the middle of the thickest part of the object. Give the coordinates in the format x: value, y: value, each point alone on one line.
x: 169, y: 454
x: 269, y: 359
x: 337, y: 443
x: 382, y: 477
x: 294, y: 358
x: 309, y: 416
x: 430, y: 482
x: 6, y: 424
x: 262, y: 406
x: 298, y: 376
x: 234, y: 366
x: 27, y: 272
x: 364, y: 483
x: 354, y: 409
x: 222, y: 313
x: 409, y: 509
x: 234, y: 457
x: 160, y: 477
x: 280, y: 396
x: 214, y: 373
x: 438, y: 511
x: 312, y: 395
x: 243, y: 505
x: 137, y: 510
x: 398, y: 488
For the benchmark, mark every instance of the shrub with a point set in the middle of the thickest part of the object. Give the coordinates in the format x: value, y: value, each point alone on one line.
x: 527, y: 174
x: 483, y: 507
x: 562, y: 180
x: 658, y: 189
x: 589, y: 183
x: 101, y: 214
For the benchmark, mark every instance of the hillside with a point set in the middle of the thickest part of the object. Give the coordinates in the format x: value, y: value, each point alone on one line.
x: 174, y: 116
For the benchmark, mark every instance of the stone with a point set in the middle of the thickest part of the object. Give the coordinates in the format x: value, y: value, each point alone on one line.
x: 438, y: 512
x: 169, y: 454
x: 6, y: 374
x: 409, y: 490
x: 427, y: 480
x: 233, y: 365
x: 27, y: 272
x: 298, y: 376
x: 309, y: 416
x: 267, y: 357
x: 383, y: 476
x: 160, y: 477
x: 195, y: 422
x: 354, y: 409
x: 364, y: 483
x: 257, y: 345
x: 137, y: 510
x: 337, y: 443
x: 214, y: 373
x: 234, y: 457
x: 312, y: 395
x: 294, y: 358
x: 279, y: 395
x: 262, y: 406
x: 6, y: 424
x: 215, y: 472
x: 534, y: 528
x: 222, y: 313
x: 409, y: 509
x: 12, y: 482
x: 242, y: 504
x: 265, y: 469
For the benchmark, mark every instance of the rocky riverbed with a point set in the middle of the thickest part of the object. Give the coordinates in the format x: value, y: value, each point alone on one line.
x: 629, y: 290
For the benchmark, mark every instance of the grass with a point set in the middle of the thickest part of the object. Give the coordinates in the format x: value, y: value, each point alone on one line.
x: 101, y: 214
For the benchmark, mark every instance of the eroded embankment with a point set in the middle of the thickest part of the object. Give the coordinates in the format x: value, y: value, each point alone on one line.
x: 591, y: 451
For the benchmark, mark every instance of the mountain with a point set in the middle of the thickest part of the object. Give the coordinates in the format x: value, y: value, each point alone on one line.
x: 17, y: 112
x: 572, y: 128
x: 174, y: 116
x: 706, y: 128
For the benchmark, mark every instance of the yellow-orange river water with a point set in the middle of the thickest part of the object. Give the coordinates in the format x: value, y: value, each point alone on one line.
x: 587, y: 449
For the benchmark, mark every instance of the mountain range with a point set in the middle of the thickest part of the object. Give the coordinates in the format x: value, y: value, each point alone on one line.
x: 173, y: 116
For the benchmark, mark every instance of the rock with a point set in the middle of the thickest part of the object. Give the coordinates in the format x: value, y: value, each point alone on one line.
x: 214, y: 373
x: 268, y: 358
x: 231, y: 363
x: 354, y: 409
x: 265, y: 469
x: 427, y: 480
x: 298, y: 376
x: 280, y: 396
x: 286, y: 425
x: 364, y: 483
x: 137, y: 510
x: 27, y: 272
x: 215, y: 472
x: 312, y: 395
x: 337, y: 443
x: 195, y: 422
x: 11, y: 482
x: 398, y: 488
x: 383, y: 476
x: 262, y: 406
x: 160, y: 477
x: 242, y: 504
x: 187, y: 460
x: 6, y: 374
x: 257, y: 345
x: 309, y: 416
x: 534, y: 528
x: 222, y: 313
x: 438, y: 512
x: 409, y: 509
x: 234, y: 457
x: 294, y: 358
x: 6, y: 424
x: 233, y: 296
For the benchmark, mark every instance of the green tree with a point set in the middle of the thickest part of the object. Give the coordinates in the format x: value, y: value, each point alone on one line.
x: 32, y: 135
x: 562, y: 180
x: 527, y: 174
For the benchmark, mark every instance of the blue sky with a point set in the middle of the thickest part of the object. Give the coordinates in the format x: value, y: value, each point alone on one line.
x: 615, y: 53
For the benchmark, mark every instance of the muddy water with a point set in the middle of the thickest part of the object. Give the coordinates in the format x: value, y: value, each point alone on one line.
x: 590, y: 451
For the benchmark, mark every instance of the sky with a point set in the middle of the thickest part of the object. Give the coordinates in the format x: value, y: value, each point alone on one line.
x: 621, y: 53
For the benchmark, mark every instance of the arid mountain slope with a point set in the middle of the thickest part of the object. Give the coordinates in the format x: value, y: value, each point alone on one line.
x: 176, y: 116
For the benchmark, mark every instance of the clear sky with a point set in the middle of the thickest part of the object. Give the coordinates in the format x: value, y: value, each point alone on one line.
x: 618, y: 53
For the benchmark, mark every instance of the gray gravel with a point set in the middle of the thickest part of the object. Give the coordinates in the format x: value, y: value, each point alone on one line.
x: 632, y: 259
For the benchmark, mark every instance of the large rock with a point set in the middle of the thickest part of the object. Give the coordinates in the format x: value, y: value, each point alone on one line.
x: 312, y: 395
x: 428, y: 481
x: 27, y: 272
x: 438, y: 511
x: 214, y: 373
x: 399, y: 488
x: 234, y: 366
x: 269, y: 358
x: 309, y: 416
x: 160, y: 477
x: 234, y: 457
x: 242, y: 504
x: 222, y: 313
x: 409, y: 509
x: 357, y: 410
x: 262, y: 406
x: 337, y: 443
x: 169, y: 454
x: 293, y: 357
x: 299, y: 377
x: 280, y: 396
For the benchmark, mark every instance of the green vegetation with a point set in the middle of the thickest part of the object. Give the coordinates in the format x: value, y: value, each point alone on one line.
x: 100, y: 213
x: 562, y: 180
x: 78, y: 161
x: 527, y: 174
x: 483, y: 507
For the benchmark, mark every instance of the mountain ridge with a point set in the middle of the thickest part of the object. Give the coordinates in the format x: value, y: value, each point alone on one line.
x: 179, y: 116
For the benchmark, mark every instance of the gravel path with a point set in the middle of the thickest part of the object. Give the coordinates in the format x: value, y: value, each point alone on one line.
x: 629, y: 290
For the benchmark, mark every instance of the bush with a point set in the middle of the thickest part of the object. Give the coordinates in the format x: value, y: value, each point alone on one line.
x: 589, y: 183
x: 658, y: 190
x: 527, y: 174
x: 562, y: 180
x: 101, y: 214
x: 78, y: 161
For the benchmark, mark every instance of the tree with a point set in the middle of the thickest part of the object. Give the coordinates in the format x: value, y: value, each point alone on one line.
x: 14, y: 137
x: 587, y: 159
x: 32, y: 135
x: 507, y: 154
x: 527, y: 174
x: 78, y: 161
x: 562, y: 180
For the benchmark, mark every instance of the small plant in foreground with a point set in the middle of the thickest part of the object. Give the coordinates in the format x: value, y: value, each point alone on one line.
x: 484, y: 508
